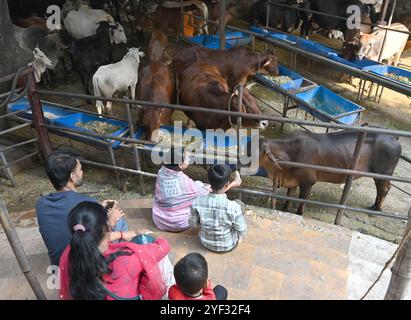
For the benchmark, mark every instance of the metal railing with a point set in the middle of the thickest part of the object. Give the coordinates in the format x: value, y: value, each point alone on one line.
x: 15, y: 94
x: 143, y: 144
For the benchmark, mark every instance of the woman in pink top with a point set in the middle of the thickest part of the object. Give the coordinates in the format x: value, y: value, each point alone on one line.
x: 91, y: 268
x: 175, y: 193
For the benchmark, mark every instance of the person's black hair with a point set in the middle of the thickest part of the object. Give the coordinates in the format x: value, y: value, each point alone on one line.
x: 86, y: 264
x: 174, y: 158
x: 218, y: 176
x: 60, y: 164
x: 191, y: 273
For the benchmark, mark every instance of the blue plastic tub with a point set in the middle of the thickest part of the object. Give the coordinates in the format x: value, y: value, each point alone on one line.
x: 50, y: 113
x: 330, y: 103
x: 141, y: 133
x: 233, y: 39
x: 382, y: 70
x: 70, y: 122
x: 356, y: 63
x: 284, y: 37
x: 294, y: 84
x: 222, y: 141
x: 314, y: 47
x: 259, y: 30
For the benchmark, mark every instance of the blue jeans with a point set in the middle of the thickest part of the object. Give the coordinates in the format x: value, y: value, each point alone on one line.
x: 121, y: 226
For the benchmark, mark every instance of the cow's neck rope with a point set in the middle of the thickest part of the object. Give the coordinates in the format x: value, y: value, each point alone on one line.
x: 229, y: 107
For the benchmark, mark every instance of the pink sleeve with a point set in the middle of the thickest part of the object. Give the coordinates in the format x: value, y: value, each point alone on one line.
x: 198, y: 190
x: 159, y: 248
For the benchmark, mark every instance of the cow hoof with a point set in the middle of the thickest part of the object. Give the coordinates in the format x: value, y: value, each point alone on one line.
x: 375, y: 208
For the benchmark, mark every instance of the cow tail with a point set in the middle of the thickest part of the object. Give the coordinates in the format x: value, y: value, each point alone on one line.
x: 97, y: 92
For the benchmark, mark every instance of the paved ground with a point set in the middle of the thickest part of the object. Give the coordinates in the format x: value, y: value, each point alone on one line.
x: 288, y: 257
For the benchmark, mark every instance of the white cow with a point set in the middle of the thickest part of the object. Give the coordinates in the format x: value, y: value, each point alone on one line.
x: 84, y: 23
x: 118, y: 77
x: 40, y: 63
x: 371, y: 44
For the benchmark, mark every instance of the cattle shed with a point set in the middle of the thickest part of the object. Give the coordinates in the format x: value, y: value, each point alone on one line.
x: 284, y: 256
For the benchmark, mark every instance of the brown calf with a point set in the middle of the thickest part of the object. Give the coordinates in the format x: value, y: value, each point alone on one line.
x: 158, y: 48
x: 155, y: 85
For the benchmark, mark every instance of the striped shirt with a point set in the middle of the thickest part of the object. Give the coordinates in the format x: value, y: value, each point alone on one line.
x: 221, y: 221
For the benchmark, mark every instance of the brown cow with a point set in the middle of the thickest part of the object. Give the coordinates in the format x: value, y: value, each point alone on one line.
x: 155, y: 85
x: 32, y: 21
x: 236, y: 65
x: 158, y: 48
x: 202, y: 85
x: 380, y: 154
x: 166, y: 19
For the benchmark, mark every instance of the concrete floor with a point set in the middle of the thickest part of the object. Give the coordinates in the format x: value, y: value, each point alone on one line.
x: 288, y: 257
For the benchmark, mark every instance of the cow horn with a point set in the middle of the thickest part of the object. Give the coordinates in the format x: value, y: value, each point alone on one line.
x: 270, y: 156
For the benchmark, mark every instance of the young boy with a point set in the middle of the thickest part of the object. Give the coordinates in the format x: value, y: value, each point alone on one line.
x: 192, y: 283
x: 221, y: 221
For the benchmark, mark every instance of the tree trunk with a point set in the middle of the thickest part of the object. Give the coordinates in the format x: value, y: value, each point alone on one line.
x: 12, y: 56
x: 399, y: 288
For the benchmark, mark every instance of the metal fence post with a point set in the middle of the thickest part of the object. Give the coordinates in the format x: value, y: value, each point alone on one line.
x: 401, y: 270
x: 18, y: 251
x: 182, y: 19
x: 222, y: 24
x: 239, y: 125
x: 266, y: 23
x: 135, y: 150
x: 38, y: 117
x: 350, y: 178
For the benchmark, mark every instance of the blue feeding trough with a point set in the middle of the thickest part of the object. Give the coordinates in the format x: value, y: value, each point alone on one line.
x: 356, y: 63
x: 73, y: 121
x: 284, y: 37
x: 383, y: 71
x: 50, y: 113
x: 223, y: 141
x: 294, y: 84
x: 314, y: 47
x: 327, y: 106
x: 233, y: 39
x: 259, y: 30
x: 188, y: 135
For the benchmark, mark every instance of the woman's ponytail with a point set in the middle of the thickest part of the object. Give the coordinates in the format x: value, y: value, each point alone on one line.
x: 88, y: 222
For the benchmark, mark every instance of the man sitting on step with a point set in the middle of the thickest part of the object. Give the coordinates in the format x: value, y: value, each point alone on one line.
x: 64, y: 171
